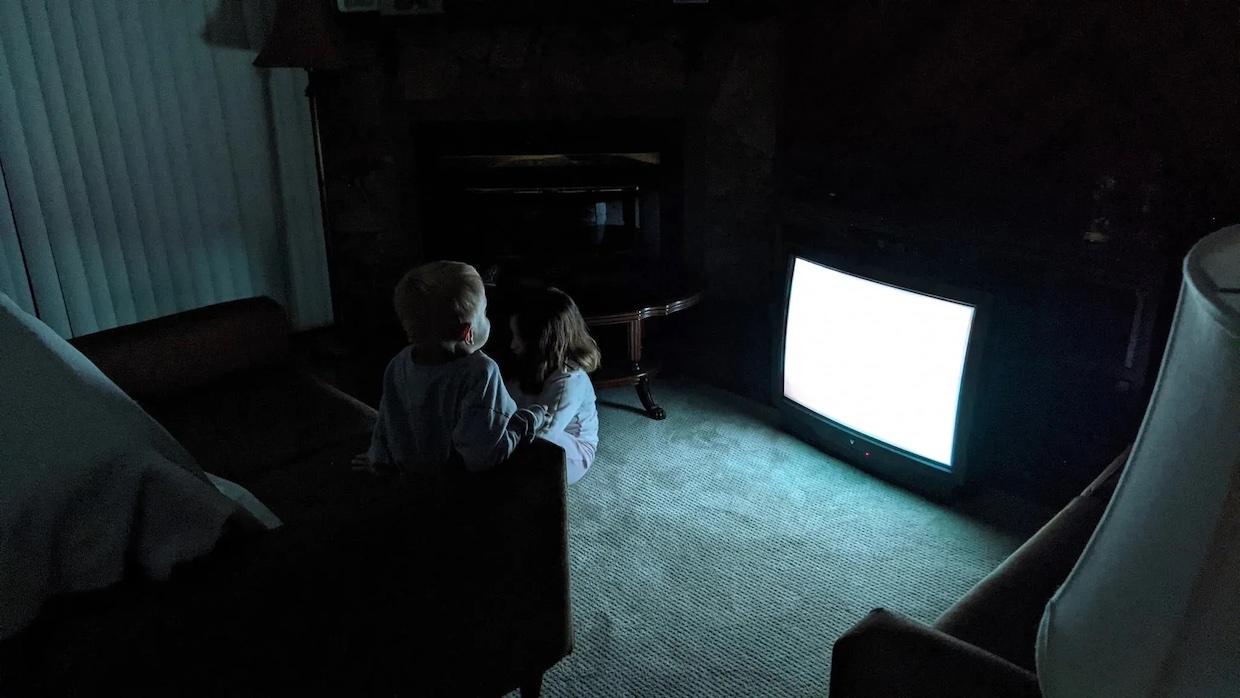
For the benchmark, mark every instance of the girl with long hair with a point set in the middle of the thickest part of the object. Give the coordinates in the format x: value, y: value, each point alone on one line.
x: 555, y: 355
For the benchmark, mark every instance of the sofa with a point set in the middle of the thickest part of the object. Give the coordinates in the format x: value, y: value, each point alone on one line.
x: 371, y: 585
x: 984, y: 645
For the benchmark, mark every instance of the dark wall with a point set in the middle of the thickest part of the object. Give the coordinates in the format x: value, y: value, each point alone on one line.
x: 715, y: 72
x: 1034, y: 110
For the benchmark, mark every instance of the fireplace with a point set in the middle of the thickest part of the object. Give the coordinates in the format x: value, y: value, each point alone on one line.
x: 555, y: 200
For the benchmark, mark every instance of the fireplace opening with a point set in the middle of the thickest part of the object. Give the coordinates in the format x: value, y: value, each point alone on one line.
x: 564, y: 202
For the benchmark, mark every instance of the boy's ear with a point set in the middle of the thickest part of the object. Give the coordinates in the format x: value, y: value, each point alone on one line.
x: 467, y: 333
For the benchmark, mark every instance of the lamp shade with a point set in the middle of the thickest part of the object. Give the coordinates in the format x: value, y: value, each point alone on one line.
x: 1152, y: 607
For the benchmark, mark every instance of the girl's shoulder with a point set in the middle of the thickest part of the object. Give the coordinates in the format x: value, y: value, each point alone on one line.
x: 567, y: 375
x: 577, y: 377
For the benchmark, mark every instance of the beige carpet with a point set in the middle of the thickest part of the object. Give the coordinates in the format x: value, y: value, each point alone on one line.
x: 713, y: 555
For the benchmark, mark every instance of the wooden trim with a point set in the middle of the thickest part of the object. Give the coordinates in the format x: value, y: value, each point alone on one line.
x: 627, y: 316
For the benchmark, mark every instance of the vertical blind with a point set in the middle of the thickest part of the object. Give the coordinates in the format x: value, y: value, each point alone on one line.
x: 148, y: 167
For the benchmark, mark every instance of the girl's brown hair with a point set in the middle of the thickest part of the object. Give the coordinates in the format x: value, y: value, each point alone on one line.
x: 555, y: 336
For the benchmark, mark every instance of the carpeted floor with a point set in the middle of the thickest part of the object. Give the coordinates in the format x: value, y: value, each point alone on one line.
x: 713, y: 555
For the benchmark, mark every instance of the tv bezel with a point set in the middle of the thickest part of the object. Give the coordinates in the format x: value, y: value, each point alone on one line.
x: 849, y: 445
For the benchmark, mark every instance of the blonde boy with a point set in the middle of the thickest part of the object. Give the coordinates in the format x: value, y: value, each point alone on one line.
x: 441, y: 394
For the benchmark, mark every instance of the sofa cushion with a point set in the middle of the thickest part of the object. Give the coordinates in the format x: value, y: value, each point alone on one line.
x: 160, y: 357
x: 261, y: 420
x: 320, y: 486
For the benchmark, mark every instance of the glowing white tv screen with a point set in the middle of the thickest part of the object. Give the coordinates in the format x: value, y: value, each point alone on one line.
x: 883, y: 361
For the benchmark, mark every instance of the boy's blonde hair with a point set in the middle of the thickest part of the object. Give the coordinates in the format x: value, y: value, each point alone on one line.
x: 555, y: 337
x: 435, y: 300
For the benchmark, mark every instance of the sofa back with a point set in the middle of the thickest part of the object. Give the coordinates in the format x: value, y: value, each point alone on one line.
x: 156, y: 358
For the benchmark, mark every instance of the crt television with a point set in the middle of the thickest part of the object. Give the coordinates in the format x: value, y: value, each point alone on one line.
x: 880, y: 369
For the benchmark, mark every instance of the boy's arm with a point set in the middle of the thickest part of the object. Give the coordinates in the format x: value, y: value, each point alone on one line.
x: 562, y: 396
x: 490, y: 427
x: 380, y: 450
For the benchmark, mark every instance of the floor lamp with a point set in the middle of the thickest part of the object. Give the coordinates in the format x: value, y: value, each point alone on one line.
x: 302, y: 36
x: 1152, y: 607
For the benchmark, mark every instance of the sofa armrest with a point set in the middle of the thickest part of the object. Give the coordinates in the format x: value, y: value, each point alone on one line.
x: 889, y: 656
x: 516, y: 523
x: 1002, y: 613
x: 158, y: 357
x: 491, y: 557
x: 495, y: 565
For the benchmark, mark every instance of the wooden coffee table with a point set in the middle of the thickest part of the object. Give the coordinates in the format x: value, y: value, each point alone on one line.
x: 631, y: 308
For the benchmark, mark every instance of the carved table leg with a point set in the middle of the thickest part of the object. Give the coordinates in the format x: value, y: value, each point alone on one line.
x: 635, y: 342
x: 643, y: 392
x: 643, y: 383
